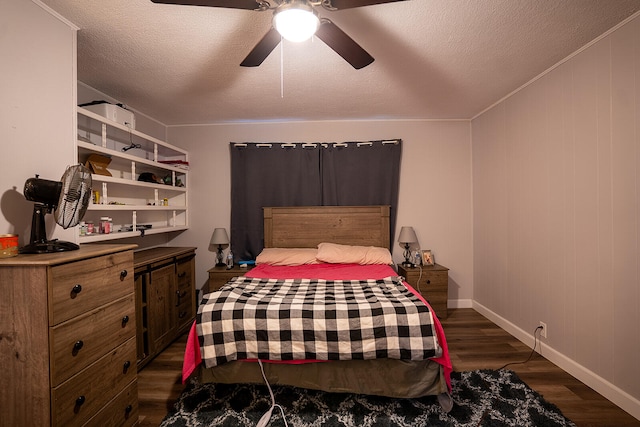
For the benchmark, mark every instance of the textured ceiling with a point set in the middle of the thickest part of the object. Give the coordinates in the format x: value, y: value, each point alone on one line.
x: 434, y: 59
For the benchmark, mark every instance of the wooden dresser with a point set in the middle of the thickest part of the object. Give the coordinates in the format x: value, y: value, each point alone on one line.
x: 67, y: 338
x: 165, y: 297
x: 432, y: 281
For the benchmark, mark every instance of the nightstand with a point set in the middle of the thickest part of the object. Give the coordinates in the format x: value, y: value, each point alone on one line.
x: 433, y: 284
x: 218, y: 276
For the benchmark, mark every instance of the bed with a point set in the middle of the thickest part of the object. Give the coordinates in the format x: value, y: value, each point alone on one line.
x: 389, y: 372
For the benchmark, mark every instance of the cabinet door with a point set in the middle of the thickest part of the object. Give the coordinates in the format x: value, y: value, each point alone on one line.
x: 161, y: 306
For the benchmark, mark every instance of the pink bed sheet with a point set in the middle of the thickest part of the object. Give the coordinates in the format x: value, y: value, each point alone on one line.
x: 319, y: 271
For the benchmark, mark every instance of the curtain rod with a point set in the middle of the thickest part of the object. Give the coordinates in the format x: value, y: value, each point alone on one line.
x: 315, y: 144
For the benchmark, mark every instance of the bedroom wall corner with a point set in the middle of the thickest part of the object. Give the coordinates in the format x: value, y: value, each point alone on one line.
x: 556, y: 225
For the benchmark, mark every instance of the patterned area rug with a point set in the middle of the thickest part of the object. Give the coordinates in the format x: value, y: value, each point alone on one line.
x: 482, y: 398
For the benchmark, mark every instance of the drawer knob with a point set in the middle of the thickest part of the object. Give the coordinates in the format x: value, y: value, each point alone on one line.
x: 183, y: 274
x: 127, y: 410
x: 126, y: 367
x: 77, y: 346
x: 182, y: 314
x: 80, y: 401
x: 180, y: 295
x: 428, y: 281
x: 76, y: 289
x: 123, y: 274
x: 125, y: 320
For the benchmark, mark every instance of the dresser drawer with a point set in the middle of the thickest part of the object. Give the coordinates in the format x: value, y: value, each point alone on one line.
x: 436, y: 280
x: 184, y: 272
x: 432, y: 282
x: 121, y: 411
x: 438, y: 301
x: 185, y: 310
x: 184, y: 281
x: 84, y: 285
x: 79, y: 398
x: 184, y: 300
x: 434, y: 287
x: 77, y: 343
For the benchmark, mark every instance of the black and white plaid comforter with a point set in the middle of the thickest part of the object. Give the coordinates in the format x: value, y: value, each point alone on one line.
x: 299, y: 319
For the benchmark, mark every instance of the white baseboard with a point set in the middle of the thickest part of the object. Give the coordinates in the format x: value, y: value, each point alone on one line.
x: 613, y: 393
x: 460, y: 303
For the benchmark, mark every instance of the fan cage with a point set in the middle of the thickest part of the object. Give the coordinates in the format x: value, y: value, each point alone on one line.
x: 74, y: 197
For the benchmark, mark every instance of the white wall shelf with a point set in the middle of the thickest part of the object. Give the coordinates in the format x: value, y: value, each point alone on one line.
x: 127, y: 234
x: 134, y: 207
x: 144, y: 207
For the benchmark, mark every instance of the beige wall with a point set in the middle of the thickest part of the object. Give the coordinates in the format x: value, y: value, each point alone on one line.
x: 435, y: 182
x: 37, y: 66
x: 556, y: 190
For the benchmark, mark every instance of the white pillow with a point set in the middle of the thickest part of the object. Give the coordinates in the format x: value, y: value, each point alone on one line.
x: 348, y: 254
x: 287, y: 256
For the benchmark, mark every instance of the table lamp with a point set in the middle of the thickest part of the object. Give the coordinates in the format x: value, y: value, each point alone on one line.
x: 407, y: 236
x: 221, y: 239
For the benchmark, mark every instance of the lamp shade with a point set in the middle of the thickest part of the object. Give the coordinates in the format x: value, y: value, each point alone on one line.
x: 407, y: 235
x: 296, y: 21
x: 219, y: 237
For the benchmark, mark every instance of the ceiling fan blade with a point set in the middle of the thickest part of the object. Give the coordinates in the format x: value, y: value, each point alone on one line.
x: 344, y: 45
x: 262, y: 49
x: 232, y: 4
x: 349, y: 4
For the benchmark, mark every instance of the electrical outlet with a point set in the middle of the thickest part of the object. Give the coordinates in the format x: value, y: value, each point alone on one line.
x: 543, y: 332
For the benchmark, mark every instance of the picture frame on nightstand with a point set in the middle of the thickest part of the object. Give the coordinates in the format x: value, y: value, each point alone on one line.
x: 427, y: 257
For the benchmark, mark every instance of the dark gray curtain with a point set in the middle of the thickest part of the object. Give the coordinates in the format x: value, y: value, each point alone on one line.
x: 361, y: 174
x: 263, y: 176
x: 335, y: 174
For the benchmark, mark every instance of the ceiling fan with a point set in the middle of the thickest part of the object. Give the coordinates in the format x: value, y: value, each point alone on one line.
x: 297, y: 20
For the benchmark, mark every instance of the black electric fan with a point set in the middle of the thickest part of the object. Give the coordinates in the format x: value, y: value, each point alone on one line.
x: 67, y: 199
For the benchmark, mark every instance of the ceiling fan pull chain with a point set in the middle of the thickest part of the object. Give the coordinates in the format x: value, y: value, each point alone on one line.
x: 281, y: 67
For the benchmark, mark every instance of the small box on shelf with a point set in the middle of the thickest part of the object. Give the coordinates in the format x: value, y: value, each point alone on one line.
x: 98, y: 164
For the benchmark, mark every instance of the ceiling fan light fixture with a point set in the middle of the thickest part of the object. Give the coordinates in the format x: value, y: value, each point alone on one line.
x: 296, y: 21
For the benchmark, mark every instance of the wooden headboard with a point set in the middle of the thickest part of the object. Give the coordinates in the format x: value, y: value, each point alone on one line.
x: 306, y: 226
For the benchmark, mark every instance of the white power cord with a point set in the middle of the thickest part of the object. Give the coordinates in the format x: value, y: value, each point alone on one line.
x: 419, y: 277
x: 264, y: 421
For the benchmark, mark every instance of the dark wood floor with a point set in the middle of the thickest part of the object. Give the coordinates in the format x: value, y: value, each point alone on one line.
x: 474, y: 343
